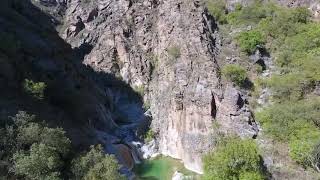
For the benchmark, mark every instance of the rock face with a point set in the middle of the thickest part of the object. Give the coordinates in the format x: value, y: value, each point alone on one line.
x: 166, y: 51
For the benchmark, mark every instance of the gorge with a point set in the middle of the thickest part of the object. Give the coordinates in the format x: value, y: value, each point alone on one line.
x: 118, y: 71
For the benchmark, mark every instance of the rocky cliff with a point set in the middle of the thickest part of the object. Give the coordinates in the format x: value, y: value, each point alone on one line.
x: 165, y: 50
x: 108, y: 58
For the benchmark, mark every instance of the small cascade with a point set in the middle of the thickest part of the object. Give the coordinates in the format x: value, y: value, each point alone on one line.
x: 132, y: 121
x: 135, y: 155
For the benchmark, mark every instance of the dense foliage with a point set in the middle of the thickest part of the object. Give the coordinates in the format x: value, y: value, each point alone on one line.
x: 96, y: 165
x: 292, y: 39
x: 233, y: 159
x: 31, y: 150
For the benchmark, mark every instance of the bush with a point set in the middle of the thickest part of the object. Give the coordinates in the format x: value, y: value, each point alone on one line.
x: 36, y: 89
x: 217, y: 8
x: 233, y: 159
x: 96, y: 165
x: 235, y: 73
x: 250, y: 40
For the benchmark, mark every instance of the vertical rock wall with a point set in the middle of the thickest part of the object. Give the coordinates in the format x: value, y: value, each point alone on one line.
x: 166, y: 50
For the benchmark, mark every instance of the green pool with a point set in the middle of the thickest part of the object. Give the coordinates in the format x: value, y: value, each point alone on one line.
x: 160, y: 168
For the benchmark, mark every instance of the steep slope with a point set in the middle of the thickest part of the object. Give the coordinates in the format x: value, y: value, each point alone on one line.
x: 166, y: 51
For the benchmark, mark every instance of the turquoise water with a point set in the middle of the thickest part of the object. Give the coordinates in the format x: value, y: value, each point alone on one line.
x: 160, y: 168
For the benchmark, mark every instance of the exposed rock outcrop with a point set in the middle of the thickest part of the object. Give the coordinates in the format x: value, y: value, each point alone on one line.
x: 165, y: 50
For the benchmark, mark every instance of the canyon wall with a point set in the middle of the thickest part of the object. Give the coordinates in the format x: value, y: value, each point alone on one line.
x: 165, y: 50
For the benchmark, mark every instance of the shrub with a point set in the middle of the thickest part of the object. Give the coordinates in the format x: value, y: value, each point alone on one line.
x: 288, y: 87
x: 302, y: 143
x: 235, y: 73
x: 140, y: 90
x: 36, y: 89
x: 146, y: 105
x: 238, y: 7
x: 233, y: 159
x: 301, y: 14
x: 251, y: 14
x: 250, y: 40
x: 174, y: 52
x: 282, y: 121
x: 315, y: 157
x: 217, y: 8
x: 96, y: 165
x: 150, y: 135
x: 251, y: 176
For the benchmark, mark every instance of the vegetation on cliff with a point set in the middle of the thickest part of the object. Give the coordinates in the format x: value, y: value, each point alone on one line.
x: 235, y: 73
x: 292, y: 39
x: 234, y: 158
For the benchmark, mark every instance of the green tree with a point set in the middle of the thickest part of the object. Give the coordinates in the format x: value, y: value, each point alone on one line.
x: 41, y: 162
x: 96, y: 165
x: 235, y: 73
x: 233, y: 159
x: 56, y: 138
x: 29, y: 134
x: 22, y: 118
x: 37, y: 152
